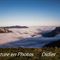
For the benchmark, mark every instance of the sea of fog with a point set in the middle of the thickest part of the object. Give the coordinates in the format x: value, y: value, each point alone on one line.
x: 27, y: 37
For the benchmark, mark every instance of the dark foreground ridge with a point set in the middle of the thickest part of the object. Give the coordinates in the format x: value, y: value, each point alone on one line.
x: 52, y: 33
x: 37, y: 53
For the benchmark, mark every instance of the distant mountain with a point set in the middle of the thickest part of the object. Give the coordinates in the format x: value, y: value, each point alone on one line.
x: 6, y: 29
x: 15, y: 27
x: 52, y: 33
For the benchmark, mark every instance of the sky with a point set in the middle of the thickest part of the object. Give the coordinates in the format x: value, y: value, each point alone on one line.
x: 30, y: 12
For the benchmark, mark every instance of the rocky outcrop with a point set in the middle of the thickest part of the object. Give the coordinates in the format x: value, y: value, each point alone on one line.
x: 4, y: 30
x: 52, y: 33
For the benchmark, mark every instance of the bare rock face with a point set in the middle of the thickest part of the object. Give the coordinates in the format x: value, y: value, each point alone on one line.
x: 52, y: 33
x: 4, y: 30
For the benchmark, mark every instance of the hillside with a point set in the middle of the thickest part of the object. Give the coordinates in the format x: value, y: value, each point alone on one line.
x: 52, y: 33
